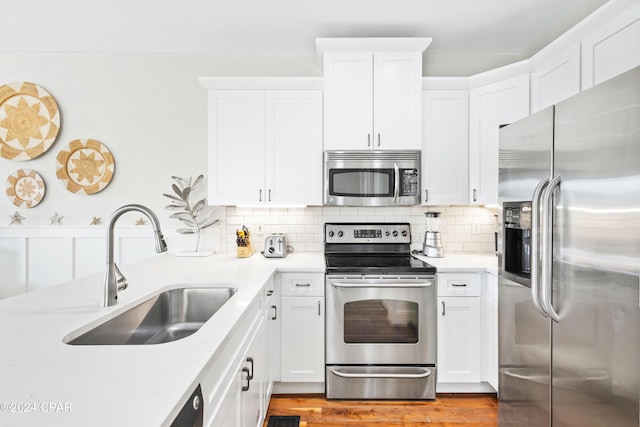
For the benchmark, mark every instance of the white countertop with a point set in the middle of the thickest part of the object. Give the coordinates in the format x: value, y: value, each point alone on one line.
x: 464, y: 263
x: 47, y: 382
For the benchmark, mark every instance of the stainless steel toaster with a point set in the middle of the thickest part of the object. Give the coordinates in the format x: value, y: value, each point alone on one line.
x: 275, y: 246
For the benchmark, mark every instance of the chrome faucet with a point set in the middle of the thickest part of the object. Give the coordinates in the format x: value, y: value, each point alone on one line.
x: 114, y: 280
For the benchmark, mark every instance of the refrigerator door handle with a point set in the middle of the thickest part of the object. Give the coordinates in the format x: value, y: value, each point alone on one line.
x: 535, y: 245
x: 547, y: 250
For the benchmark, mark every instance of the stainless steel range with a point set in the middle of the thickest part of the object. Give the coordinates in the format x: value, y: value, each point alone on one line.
x: 380, y: 314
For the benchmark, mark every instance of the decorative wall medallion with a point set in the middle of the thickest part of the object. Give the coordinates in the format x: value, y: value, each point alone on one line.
x: 29, y: 121
x: 85, y: 166
x: 25, y: 188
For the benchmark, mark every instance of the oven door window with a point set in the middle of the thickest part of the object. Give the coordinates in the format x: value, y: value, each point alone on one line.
x: 383, y: 321
x: 361, y: 182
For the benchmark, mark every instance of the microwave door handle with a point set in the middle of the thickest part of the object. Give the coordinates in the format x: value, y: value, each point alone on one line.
x: 535, y: 245
x: 396, y: 189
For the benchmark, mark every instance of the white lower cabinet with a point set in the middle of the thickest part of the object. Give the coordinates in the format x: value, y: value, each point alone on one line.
x: 241, y: 401
x: 461, y: 350
x: 302, y: 327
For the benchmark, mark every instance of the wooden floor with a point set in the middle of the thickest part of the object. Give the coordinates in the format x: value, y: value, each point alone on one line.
x: 446, y: 410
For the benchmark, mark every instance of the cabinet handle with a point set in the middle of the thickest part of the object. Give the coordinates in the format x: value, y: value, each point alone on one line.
x: 270, y: 292
x: 318, y: 308
x: 302, y: 285
x: 426, y: 195
x: 475, y: 195
x: 459, y: 285
x: 275, y: 312
x: 250, y: 360
x: 368, y: 140
x: 269, y: 195
x: 246, y: 388
x: 443, y: 309
x: 378, y: 140
x: 260, y: 195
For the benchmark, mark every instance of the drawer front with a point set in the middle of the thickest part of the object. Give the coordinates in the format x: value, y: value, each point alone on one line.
x: 302, y: 284
x: 459, y: 285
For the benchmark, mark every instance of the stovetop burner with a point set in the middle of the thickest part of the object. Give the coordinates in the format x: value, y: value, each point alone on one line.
x: 371, y: 248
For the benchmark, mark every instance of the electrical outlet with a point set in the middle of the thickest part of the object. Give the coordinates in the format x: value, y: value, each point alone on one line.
x: 475, y: 227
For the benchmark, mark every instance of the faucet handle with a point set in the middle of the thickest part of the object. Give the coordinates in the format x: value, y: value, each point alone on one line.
x: 121, y: 281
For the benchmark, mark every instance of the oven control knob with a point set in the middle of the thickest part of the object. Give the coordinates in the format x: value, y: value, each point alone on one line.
x: 386, y: 233
x: 331, y: 233
x: 340, y: 234
x: 404, y: 233
x: 395, y: 233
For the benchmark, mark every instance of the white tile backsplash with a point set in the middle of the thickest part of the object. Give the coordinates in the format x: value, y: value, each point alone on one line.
x: 304, y: 226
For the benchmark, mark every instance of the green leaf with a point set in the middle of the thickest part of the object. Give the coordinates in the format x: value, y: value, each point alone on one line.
x: 196, y: 184
x: 197, y: 208
x: 186, y: 231
x: 177, y: 190
x: 185, y: 193
x: 172, y: 197
x: 208, y: 223
x: 181, y: 182
x: 188, y: 221
x: 174, y: 208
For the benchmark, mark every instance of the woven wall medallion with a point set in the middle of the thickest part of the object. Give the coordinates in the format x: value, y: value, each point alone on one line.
x: 29, y: 121
x: 85, y: 166
x: 25, y: 188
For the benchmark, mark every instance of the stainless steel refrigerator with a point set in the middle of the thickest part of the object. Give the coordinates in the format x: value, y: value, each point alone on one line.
x: 569, y: 261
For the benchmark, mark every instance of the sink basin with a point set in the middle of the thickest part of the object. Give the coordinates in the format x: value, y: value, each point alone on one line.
x: 168, y: 316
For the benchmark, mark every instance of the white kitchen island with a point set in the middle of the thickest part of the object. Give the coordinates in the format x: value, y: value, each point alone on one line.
x: 48, y: 382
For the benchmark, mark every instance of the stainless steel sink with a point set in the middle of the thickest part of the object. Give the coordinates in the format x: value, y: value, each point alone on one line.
x: 168, y: 316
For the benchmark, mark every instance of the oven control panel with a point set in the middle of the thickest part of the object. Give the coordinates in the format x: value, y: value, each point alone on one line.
x: 367, y: 233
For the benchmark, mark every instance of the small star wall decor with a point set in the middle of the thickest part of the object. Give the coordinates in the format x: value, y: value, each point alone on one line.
x: 16, y: 219
x: 56, y: 219
x: 96, y: 220
x: 141, y: 221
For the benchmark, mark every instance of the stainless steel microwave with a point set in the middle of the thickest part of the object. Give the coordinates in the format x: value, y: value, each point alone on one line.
x: 371, y: 178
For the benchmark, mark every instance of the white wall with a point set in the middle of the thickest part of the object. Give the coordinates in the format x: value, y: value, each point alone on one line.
x: 148, y: 109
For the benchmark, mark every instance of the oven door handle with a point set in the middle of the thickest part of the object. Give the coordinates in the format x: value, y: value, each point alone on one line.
x: 394, y: 285
x: 425, y: 374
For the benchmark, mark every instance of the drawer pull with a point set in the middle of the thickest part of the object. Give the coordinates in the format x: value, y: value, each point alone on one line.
x: 246, y: 371
x: 459, y: 285
x: 301, y: 285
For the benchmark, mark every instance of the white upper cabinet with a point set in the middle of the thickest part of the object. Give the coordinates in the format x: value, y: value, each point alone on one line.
x: 265, y: 147
x: 236, y: 147
x: 445, y: 149
x: 612, y: 49
x: 294, y: 147
x: 490, y: 106
x: 372, y: 100
x: 556, y: 79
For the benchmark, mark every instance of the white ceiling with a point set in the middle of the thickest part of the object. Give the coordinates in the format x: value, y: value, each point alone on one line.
x: 469, y: 36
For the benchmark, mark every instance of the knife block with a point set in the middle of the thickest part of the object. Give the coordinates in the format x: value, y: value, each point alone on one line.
x: 244, y: 251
